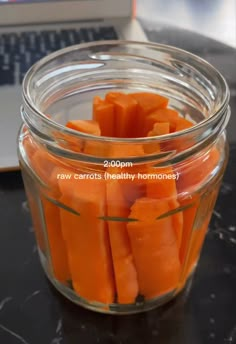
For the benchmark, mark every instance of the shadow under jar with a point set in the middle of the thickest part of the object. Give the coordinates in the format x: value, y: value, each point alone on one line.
x: 120, y: 222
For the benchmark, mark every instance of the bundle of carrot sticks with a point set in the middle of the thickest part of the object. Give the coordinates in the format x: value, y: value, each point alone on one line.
x: 118, y: 239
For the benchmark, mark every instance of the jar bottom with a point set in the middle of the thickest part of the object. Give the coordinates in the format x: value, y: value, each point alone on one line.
x: 116, y: 309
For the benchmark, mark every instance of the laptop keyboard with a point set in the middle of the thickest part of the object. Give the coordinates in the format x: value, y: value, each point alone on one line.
x: 19, y: 51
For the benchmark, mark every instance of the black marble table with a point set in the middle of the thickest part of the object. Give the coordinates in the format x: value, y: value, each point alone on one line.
x: 32, y: 312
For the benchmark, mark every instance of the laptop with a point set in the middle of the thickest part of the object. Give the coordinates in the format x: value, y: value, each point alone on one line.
x: 31, y: 29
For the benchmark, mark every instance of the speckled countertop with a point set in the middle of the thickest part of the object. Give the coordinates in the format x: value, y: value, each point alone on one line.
x: 32, y: 312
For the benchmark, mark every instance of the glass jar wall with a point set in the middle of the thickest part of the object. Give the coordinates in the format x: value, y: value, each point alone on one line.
x: 120, y: 222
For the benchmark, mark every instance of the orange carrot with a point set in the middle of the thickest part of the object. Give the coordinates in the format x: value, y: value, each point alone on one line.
x: 136, y: 188
x: 162, y: 116
x: 181, y: 144
x: 85, y: 126
x: 87, y: 238
x: 182, y: 124
x: 120, y: 195
x: 189, y: 215
x: 97, y: 149
x: 103, y: 113
x: 193, y: 237
x: 161, y: 183
x: 165, y: 189
x: 90, y: 127
x: 125, y: 150
x: 132, y: 189
x: 147, y: 103
x: 90, y: 241
x: 97, y: 100
x: 111, y: 96
x: 199, y: 228
x: 160, y: 129
x: 154, y: 247
x: 56, y: 242
x: 195, y: 245
x: 69, y: 142
x: 196, y: 170
x: 125, y: 115
x: 124, y: 269
x: 177, y: 220
x: 153, y: 147
x: 44, y: 166
x: 30, y: 147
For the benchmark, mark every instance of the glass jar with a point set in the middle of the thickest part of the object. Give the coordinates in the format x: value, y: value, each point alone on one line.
x: 120, y: 222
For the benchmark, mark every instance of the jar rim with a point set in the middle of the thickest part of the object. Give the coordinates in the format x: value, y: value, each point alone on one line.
x: 28, y: 101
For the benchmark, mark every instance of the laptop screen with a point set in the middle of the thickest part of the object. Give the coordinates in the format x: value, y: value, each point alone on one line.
x: 32, y: 11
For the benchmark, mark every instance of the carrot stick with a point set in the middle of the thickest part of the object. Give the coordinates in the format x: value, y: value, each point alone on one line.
x: 177, y: 220
x: 196, y: 170
x: 157, y: 130
x: 69, y: 142
x: 124, y: 269
x: 89, y: 127
x: 120, y: 195
x: 199, y: 228
x: 165, y: 189
x: 87, y: 238
x: 188, y: 222
x: 30, y: 147
x: 181, y: 144
x: 162, y: 183
x: 195, y: 246
x: 103, y: 113
x: 161, y: 116
x: 125, y: 108
x: 182, y: 124
x: 160, y: 129
x: 97, y: 101
x: 111, y: 96
x: 147, y: 103
x: 132, y: 189
x: 44, y: 166
x: 98, y: 149
x: 125, y: 151
x: 56, y: 242
x: 154, y: 247
x: 85, y: 126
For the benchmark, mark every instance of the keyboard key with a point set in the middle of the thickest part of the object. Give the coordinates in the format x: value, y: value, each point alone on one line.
x: 108, y: 32
x: 6, y: 75
x: 24, y: 67
x: 36, y: 57
x: 6, y: 59
x: 65, y: 37
x: 96, y: 34
x: 76, y: 37
x: 86, y: 35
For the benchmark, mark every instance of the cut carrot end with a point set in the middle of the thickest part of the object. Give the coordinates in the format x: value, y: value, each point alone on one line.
x: 85, y: 126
